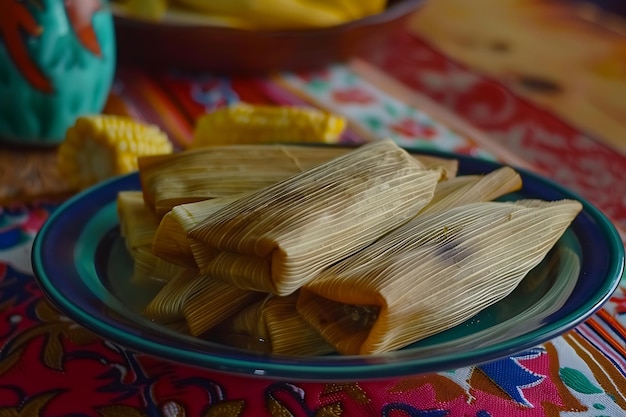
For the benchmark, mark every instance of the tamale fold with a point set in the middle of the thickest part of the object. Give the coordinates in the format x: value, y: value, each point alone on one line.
x: 211, y: 301
x: 278, y: 238
x: 431, y: 274
x: 138, y: 226
x: 273, y: 325
x: 205, y: 173
x: 466, y: 189
x: 170, y: 239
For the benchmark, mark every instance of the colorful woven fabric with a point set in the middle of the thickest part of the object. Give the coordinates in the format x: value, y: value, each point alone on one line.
x: 50, y: 366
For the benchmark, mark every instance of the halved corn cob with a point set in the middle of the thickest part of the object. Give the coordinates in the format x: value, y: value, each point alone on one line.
x: 257, y: 124
x: 101, y: 146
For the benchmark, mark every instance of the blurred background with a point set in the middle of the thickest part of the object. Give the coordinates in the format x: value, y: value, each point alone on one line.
x: 566, y: 56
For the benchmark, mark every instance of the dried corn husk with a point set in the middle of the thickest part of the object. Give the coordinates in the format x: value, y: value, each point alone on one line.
x: 278, y: 238
x: 167, y: 306
x: 149, y: 267
x: 211, y: 301
x: 431, y: 274
x: 170, y: 240
x: 201, y: 174
x: 273, y: 325
x: 138, y: 226
x: 466, y: 189
x: 171, y: 243
x: 449, y: 167
x: 199, y: 300
x: 137, y: 223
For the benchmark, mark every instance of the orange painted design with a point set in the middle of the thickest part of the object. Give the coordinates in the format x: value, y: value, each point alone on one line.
x: 603, y: 370
x: 15, y: 20
x: 570, y: 402
x: 444, y: 388
x: 612, y: 321
x: 171, y: 117
x: 80, y: 14
x: 615, y: 344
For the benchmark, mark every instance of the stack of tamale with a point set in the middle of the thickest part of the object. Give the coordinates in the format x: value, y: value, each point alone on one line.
x: 308, y: 250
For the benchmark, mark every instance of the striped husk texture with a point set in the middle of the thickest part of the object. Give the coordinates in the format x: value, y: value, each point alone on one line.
x: 431, y: 274
x: 273, y: 325
x: 280, y: 237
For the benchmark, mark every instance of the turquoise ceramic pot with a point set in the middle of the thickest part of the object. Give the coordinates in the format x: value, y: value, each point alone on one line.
x: 57, y: 60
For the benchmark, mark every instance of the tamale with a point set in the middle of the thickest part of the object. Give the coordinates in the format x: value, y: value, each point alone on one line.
x: 170, y: 240
x: 204, y: 173
x: 201, y: 174
x: 211, y: 301
x: 199, y: 300
x: 273, y: 325
x: 138, y: 226
x: 431, y: 274
x: 278, y: 238
x: 167, y: 305
x: 137, y: 223
x: 466, y: 189
x: 149, y: 267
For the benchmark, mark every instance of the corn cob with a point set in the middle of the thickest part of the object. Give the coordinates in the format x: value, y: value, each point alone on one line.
x: 101, y: 146
x: 250, y: 124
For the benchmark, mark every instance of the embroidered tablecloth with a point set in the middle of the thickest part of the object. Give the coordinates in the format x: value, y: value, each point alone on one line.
x: 50, y: 366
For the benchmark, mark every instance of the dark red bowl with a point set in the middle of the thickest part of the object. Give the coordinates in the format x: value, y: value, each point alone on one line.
x: 197, y: 47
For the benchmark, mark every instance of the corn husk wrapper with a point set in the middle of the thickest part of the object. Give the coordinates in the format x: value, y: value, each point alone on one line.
x: 431, y: 274
x: 167, y: 305
x: 170, y: 240
x: 138, y: 226
x: 148, y: 267
x: 211, y: 301
x: 466, y: 189
x: 137, y: 223
x: 279, y: 238
x: 171, y: 243
x: 199, y: 300
x: 273, y: 325
x: 449, y: 167
x: 201, y: 174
